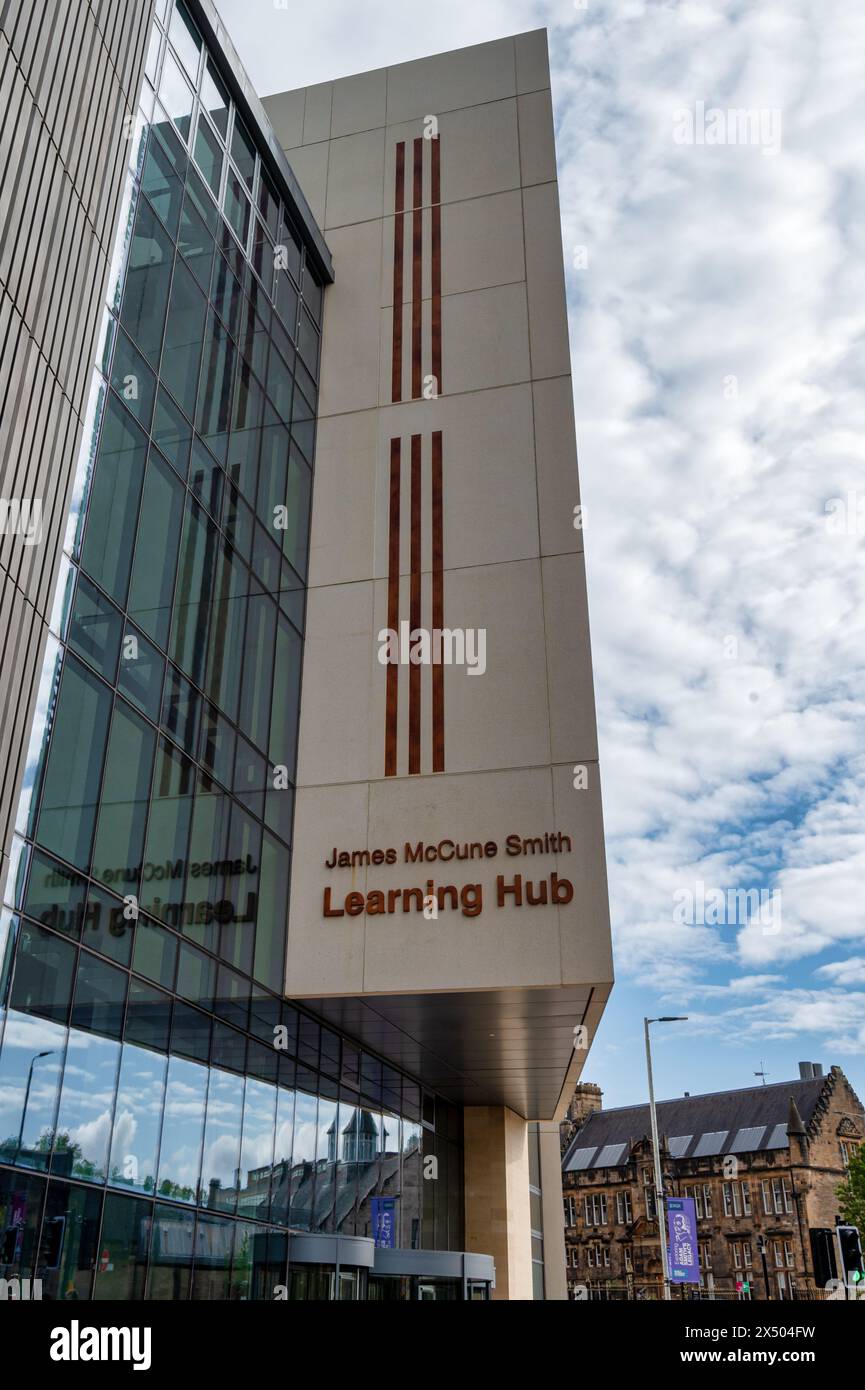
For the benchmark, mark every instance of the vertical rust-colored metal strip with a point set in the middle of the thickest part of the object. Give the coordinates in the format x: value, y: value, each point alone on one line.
x: 398, y: 258
x: 436, y: 215
x: 438, y: 602
x: 417, y: 270
x: 414, y: 671
x: 392, y: 691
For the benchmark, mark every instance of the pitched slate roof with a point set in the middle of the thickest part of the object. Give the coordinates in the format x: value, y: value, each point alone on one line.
x: 721, y: 1122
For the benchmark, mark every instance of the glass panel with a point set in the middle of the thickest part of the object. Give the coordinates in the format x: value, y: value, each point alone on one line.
x: 237, y: 207
x: 86, y: 1107
x: 113, y: 507
x: 137, y: 1121
x: 123, y: 802
x: 181, y: 711
x: 226, y: 295
x: 141, y: 672
x: 30, y: 1067
x: 274, y: 473
x: 303, y: 424
x: 243, y: 150
x: 226, y: 656
x: 312, y: 294
x: 163, y: 175
x: 171, y: 432
x: 155, y: 561
x: 279, y: 384
x: 214, y: 394
x: 269, y: 965
x: 208, y: 155
x: 175, y: 94
x: 171, y: 1245
x: 237, y: 910
x: 180, y: 1152
x: 148, y: 1015
x: 155, y: 953
x: 100, y: 996
x: 186, y: 38
x: 21, y: 1199
x: 145, y: 295
x: 168, y: 834
x: 55, y: 895
x: 212, y: 1268
x: 198, y: 553
x: 184, y: 334
x: 94, y: 628
x: 133, y: 380
x: 106, y: 929
x: 215, y: 98
x: 268, y: 203
x: 295, y: 543
x: 206, y: 479
x: 282, y: 744
x: 67, y: 1247
x: 125, y: 1238
x: 222, y: 1141
x: 308, y: 343
x: 69, y: 799
x: 207, y: 853
x: 410, y: 1203
x: 290, y: 258
x: 258, y: 649
x: 256, y: 1152
x: 326, y: 1149
x: 217, y: 746
x: 286, y: 301
x: 303, y: 1161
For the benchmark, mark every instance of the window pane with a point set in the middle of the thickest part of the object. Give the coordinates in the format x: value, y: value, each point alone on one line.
x: 171, y: 432
x: 269, y: 965
x: 274, y: 473
x: 94, y: 628
x: 175, y: 94
x: 254, y: 718
x: 181, y: 711
x: 226, y: 295
x: 30, y: 1074
x: 180, y: 1152
x: 214, y: 395
x: 215, y: 98
x: 155, y: 561
x: 225, y: 659
x: 243, y: 150
x: 207, y: 850
x: 279, y: 384
x: 86, y: 1107
x: 113, y: 507
x: 67, y: 1249
x: 141, y: 672
x: 268, y: 203
x: 186, y: 38
x: 196, y: 243
x: 100, y: 996
x: 237, y: 208
x: 206, y: 479
x: 145, y: 296
x: 295, y: 544
x: 105, y: 927
x: 308, y: 343
x: 133, y: 380
x: 168, y: 834
x: 123, y: 802
x: 148, y: 1015
x: 163, y: 174
x: 55, y: 895
x: 171, y: 1248
x: 126, y: 1235
x: 155, y: 953
x: 69, y: 799
x: 184, y: 335
x: 222, y: 1141
x: 198, y: 557
x: 282, y: 744
x: 208, y: 155
x: 137, y: 1119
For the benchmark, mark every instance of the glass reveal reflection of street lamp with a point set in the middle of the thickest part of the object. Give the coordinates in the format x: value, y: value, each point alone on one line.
x: 660, y: 1213
x: 27, y: 1097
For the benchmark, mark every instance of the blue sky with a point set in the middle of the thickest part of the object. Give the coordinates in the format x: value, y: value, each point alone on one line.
x: 717, y: 312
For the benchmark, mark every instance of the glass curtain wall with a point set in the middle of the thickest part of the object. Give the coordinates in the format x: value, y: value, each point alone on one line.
x: 153, y: 1142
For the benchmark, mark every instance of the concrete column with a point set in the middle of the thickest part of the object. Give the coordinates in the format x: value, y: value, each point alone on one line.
x: 553, y: 1210
x: 497, y: 1195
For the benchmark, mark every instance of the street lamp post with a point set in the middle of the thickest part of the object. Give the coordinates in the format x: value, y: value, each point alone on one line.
x: 660, y: 1212
x: 27, y: 1097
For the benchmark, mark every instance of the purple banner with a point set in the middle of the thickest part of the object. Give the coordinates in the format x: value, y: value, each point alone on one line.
x: 682, y: 1226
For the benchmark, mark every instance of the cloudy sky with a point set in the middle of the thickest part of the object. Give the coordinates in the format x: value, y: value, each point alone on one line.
x: 717, y: 312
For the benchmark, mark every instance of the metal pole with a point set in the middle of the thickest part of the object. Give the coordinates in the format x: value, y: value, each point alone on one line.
x: 659, y: 1182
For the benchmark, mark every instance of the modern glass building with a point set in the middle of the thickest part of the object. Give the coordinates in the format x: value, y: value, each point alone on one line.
x: 300, y: 950
x: 166, y: 1117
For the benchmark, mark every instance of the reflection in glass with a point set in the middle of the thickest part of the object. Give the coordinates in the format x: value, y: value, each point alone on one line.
x: 219, y: 1172
x: 86, y: 1108
x: 257, y: 1149
x: 180, y: 1152
x: 125, y: 1236
x: 137, y: 1119
x: 30, y: 1067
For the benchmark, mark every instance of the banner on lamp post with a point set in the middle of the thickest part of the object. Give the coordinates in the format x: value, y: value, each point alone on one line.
x: 682, y: 1228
